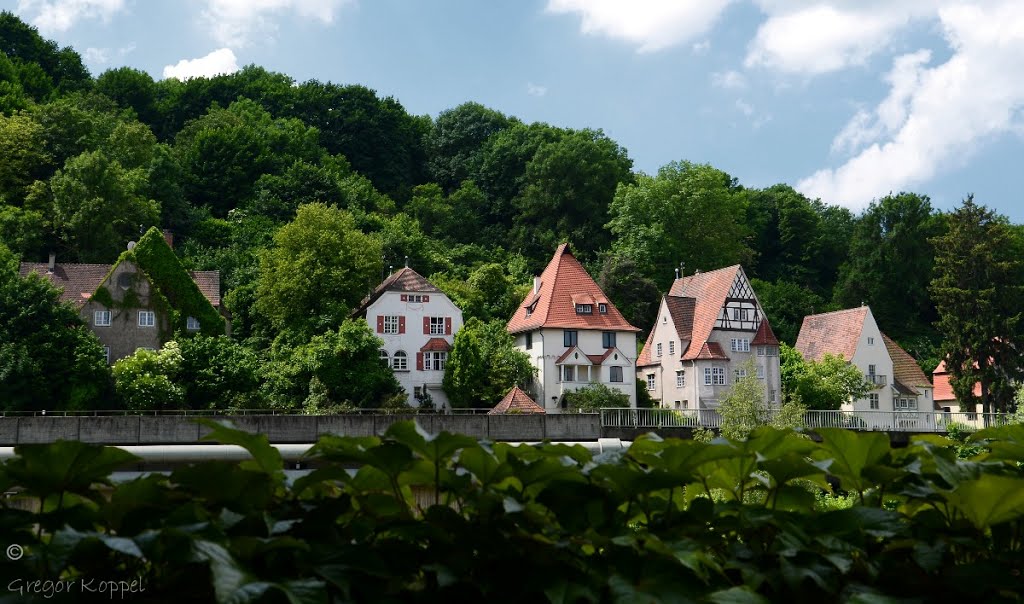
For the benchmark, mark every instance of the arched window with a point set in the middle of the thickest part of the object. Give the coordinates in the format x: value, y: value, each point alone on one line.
x: 400, y: 361
x: 384, y: 357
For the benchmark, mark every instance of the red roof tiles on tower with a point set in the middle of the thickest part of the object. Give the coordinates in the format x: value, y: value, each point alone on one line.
x: 516, y: 401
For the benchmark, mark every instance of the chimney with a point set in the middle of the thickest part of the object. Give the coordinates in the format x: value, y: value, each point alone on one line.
x: 52, y: 264
x: 406, y: 262
x: 169, y: 238
x: 536, y: 284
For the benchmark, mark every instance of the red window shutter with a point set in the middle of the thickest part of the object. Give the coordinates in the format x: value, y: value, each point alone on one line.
x: 419, y: 361
x: 401, y: 324
x: 426, y: 298
x: 404, y: 297
x: 426, y: 326
x: 447, y: 326
x: 380, y: 324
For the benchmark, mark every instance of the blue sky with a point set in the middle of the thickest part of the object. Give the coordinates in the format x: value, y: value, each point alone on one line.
x: 846, y: 100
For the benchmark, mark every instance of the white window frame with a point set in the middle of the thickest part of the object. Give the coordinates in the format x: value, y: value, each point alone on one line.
x: 435, y: 361
x: 680, y: 378
x: 739, y: 372
x: 671, y: 347
x: 760, y: 372
x: 740, y: 314
x: 437, y: 326
x: 873, y: 401
x: 612, y: 374
x: 650, y: 381
x: 101, y: 318
x: 400, y: 361
x: 106, y: 354
x: 718, y: 376
x: 739, y: 345
x: 568, y: 373
x: 761, y: 351
x: 584, y: 309
x: 657, y: 347
x: 390, y: 324
x: 384, y: 356
x: 192, y: 324
x: 147, y: 318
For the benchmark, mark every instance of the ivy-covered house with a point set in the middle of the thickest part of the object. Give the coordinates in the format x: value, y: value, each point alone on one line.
x: 141, y: 300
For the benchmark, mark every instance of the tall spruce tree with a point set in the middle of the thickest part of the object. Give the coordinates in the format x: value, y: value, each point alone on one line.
x: 978, y: 291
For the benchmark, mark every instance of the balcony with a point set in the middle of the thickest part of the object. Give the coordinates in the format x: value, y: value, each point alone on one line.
x: 876, y: 379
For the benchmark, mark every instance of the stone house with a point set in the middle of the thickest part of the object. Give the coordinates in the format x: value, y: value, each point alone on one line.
x: 710, y: 330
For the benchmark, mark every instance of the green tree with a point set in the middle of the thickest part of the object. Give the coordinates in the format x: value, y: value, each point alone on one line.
x: 318, y: 269
x: 218, y: 373
x: 99, y: 206
x: 978, y: 289
x: 25, y: 160
x: 786, y: 304
x: 148, y: 379
x: 278, y: 196
x: 745, y: 408
x: 12, y: 94
x: 489, y: 293
x: 48, y: 357
x: 483, y: 365
x: 455, y: 141
x: 889, y: 265
x: 24, y: 46
x: 687, y: 214
x: 826, y: 384
x: 594, y: 397
x: 637, y: 297
x: 132, y: 89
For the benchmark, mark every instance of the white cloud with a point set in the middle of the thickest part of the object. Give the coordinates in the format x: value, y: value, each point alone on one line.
x: 535, y: 90
x: 730, y: 80
x: 235, y: 22
x: 217, y: 62
x: 745, y: 108
x: 102, y: 56
x: 701, y: 47
x: 649, y: 24
x: 934, y: 118
x: 55, y: 16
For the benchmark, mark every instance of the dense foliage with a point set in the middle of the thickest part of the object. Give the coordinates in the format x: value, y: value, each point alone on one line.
x: 412, y: 517
x: 305, y: 194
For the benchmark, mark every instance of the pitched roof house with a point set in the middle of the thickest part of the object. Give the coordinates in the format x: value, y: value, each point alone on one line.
x: 516, y: 401
x: 944, y: 395
x: 898, y: 382
x: 417, y: 323
x: 709, y: 326
x: 573, y: 334
x: 140, y: 300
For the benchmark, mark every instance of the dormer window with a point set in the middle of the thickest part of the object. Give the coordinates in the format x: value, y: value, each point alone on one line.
x: 584, y: 309
x: 602, y: 308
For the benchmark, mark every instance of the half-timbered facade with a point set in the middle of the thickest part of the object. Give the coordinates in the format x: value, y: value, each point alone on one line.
x: 710, y: 331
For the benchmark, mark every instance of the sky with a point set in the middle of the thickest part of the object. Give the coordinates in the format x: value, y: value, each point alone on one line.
x: 846, y: 100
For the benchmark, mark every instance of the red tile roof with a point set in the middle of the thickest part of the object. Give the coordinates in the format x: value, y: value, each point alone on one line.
x: 709, y: 291
x: 552, y: 306
x: 644, y: 360
x: 77, y: 282
x: 403, y: 280
x: 516, y: 401
x: 764, y: 336
x: 436, y: 345
x: 943, y: 389
x: 834, y: 333
x: 711, y: 351
x: 905, y: 369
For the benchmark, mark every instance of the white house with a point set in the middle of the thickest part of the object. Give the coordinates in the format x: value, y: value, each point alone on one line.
x: 898, y: 382
x: 417, y: 323
x: 709, y: 328
x: 573, y: 334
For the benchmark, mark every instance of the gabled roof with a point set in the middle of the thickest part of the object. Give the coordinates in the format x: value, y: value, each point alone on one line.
x: 78, y: 282
x: 708, y: 291
x: 943, y: 389
x: 516, y: 401
x: 644, y: 360
x: 764, y: 336
x: 552, y: 304
x: 836, y: 333
x: 905, y: 369
x: 680, y: 310
x: 711, y: 351
x: 436, y: 345
x: 403, y: 280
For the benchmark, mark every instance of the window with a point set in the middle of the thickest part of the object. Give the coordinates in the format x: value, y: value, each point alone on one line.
x: 680, y: 378
x: 569, y: 337
x: 568, y: 373
x: 740, y: 314
x: 529, y: 340
x: 739, y: 373
x: 650, y: 381
x: 401, y: 361
x: 390, y: 323
x: 101, y: 318
x: 147, y: 318
x: 760, y: 373
x: 714, y: 376
x: 739, y: 345
x: 106, y: 353
x: 658, y: 348
x: 761, y: 351
x: 772, y: 351
x: 873, y: 400
x: 584, y: 309
x: 602, y: 308
x: 385, y: 358
x: 615, y: 374
x: 192, y: 324
x: 434, y: 361
x: 437, y: 326
x: 771, y: 395
x: 871, y: 370
x: 871, y: 341
x: 905, y: 404
x: 415, y: 298
x: 608, y: 339
x: 672, y: 347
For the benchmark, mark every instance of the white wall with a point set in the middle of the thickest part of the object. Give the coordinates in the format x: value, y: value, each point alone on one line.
x: 871, y: 350
x: 390, y: 303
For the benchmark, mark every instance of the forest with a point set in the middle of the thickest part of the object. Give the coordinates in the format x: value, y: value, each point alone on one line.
x: 305, y: 195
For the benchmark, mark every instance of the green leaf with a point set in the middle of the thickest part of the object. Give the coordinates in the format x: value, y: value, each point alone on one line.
x: 737, y: 595
x: 989, y: 500
x: 852, y: 453
x: 64, y: 466
x: 265, y: 458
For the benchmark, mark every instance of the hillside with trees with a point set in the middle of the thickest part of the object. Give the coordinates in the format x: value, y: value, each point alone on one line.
x: 304, y: 195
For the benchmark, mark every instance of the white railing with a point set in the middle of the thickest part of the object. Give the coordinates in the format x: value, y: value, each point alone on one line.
x: 887, y: 421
